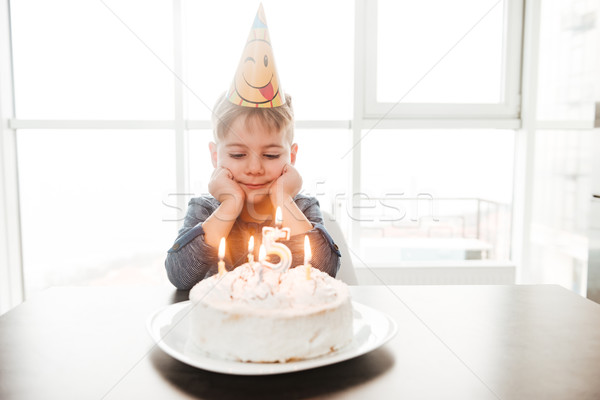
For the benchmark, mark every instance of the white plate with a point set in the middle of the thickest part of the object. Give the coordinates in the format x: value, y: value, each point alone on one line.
x: 169, y: 328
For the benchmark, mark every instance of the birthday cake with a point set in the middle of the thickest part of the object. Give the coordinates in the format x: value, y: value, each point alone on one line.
x: 256, y: 314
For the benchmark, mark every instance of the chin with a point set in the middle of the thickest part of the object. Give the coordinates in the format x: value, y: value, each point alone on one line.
x: 256, y: 197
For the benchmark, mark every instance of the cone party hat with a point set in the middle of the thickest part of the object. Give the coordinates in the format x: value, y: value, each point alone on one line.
x: 256, y: 82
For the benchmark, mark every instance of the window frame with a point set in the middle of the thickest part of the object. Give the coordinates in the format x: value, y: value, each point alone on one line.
x: 503, y: 115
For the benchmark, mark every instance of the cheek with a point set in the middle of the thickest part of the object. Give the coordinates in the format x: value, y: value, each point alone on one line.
x: 225, y: 161
x: 276, y: 167
x: 286, y: 159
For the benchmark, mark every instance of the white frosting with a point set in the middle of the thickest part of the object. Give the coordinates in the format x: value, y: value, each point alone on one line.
x: 255, y: 314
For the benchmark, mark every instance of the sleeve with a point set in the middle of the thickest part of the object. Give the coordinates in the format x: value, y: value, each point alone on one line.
x: 325, y: 253
x: 191, y: 259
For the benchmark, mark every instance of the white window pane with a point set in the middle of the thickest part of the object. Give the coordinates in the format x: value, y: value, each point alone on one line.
x: 445, y: 163
x: 561, y: 217
x: 414, y: 36
x: 76, y: 60
x: 441, y: 195
x: 323, y: 163
x: 313, y: 44
x: 569, y: 60
x: 92, y: 207
x: 200, y: 162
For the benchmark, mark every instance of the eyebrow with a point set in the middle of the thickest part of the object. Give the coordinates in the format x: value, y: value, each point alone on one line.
x: 269, y: 146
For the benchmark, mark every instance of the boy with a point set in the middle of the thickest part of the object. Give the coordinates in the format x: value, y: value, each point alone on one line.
x: 254, y: 156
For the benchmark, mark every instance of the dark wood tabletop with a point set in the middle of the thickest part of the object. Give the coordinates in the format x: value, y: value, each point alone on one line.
x: 454, y: 342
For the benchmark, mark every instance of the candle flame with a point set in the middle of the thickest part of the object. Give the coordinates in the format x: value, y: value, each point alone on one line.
x: 307, y: 251
x: 251, y: 245
x: 278, y: 217
x: 222, y: 249
x: 262, y: 253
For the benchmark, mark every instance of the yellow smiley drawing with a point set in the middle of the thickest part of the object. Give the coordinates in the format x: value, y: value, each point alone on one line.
x: 256, y: 83
x: 256, y: 79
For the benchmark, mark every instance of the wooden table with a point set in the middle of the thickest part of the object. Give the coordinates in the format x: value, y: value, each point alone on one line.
x: 454, y: 342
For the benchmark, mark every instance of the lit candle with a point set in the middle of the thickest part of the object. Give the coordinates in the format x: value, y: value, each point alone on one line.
x: 307, y: 256
x: 278, y: 218
x: 262, y: 257
x: 262, y: 254
x: 251, y: 250
x: 221, y: 256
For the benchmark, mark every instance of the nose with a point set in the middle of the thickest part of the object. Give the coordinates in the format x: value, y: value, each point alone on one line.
x: 254, y: 165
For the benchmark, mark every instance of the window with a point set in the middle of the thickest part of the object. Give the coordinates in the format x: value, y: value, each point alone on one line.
x: 91, y: 206
x: 429, y: 195
x: 113, y: 107
x: 402, y: 60
x: 567, y: 78
x: 76, y: 60
x: 568, y: 84
x: 420, y: 63
x: 561, y: 220
x: 436, y: 133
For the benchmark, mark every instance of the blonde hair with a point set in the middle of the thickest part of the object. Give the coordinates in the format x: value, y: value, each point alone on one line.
x: 277, y: 119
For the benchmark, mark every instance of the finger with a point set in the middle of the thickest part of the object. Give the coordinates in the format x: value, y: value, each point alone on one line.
x: 227, y: 172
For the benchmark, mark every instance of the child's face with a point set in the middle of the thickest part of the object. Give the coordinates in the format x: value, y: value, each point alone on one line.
x: 254, y: 156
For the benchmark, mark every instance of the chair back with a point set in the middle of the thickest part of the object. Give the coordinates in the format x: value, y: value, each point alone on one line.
x: 346, y: 273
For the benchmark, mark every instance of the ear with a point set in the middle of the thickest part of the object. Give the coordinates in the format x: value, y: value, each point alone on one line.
x: 293, y: 151
x: 212, y: 147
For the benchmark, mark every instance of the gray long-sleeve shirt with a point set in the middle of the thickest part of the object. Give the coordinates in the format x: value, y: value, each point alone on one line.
x: 191, y: 259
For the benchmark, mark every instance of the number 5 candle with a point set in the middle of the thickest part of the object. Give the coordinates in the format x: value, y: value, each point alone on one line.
x: 270, y: 237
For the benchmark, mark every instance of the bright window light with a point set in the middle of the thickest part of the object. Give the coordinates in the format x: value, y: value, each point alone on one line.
x: 92, y: 207
x: 437, y: 51
x: 445, y: 163
x: 77, y: 60
x: 569, y: 66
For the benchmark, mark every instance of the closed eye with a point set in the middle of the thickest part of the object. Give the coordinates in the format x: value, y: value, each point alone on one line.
x: 236, y: 155
x: 272, y: 156
x: 250, y: 59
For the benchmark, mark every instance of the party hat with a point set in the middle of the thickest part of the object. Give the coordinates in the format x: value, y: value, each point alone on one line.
x: 256, y: 82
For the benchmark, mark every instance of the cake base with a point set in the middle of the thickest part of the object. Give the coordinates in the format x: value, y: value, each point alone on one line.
x: 247, y: 317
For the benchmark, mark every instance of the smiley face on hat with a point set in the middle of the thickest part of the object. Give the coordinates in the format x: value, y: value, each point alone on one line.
x: 256, y: 79
x: 256, y: 83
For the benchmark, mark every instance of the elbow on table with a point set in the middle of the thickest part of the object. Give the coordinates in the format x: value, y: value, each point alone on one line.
x: 175, y: 274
